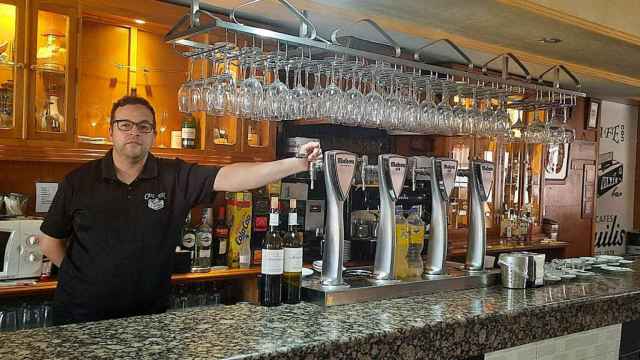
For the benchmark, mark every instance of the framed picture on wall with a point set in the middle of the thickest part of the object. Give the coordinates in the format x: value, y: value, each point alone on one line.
x: 593, y: 114
x: 556, y: 165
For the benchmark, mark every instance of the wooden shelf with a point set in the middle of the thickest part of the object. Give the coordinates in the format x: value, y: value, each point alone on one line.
x: 497, y: 248
x: 48, y: 287
x: 83, y: 152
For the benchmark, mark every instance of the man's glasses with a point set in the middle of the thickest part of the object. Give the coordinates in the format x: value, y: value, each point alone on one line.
x: 144, y: 127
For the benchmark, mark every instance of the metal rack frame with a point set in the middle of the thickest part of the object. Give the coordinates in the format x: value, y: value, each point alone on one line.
x: 178, y: 36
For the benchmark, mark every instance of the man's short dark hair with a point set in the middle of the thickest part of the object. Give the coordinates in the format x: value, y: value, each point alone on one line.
x: 132, y: 100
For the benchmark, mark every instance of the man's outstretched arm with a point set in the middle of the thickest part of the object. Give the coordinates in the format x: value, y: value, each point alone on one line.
x: 246, y: 176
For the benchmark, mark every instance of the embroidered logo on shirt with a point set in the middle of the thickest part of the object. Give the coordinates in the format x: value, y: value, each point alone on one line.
x: 155, y: 201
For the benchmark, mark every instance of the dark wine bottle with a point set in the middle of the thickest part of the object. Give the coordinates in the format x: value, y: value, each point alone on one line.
x: 270, y: 288
x: 292, y: 276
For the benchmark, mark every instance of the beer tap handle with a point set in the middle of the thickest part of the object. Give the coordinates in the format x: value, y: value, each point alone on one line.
x: 413, y: 174
x: 363, y: 170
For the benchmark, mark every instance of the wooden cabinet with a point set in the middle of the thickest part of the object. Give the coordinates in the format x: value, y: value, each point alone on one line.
x: 79, y: 57
x: 12, y: 67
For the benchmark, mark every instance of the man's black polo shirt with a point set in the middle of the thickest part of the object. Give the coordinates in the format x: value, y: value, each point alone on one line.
x: 122, y: 237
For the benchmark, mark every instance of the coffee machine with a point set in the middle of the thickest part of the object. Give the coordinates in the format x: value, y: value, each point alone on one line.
x: 480, y: 174
x: 339, y: 168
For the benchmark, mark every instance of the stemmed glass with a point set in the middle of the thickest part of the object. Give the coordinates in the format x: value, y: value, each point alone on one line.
x: 352, y: 100
x: 163, y: 127
x: 331, y: 98
x: 501, y: 118
x: 373, y: 102
x: 460, y: 118
x: 427, y: 110
x: 184, y: 93
x: 444, y: 114
x: 299, y: 96
x: 251, y: 91
x: 196, y: 100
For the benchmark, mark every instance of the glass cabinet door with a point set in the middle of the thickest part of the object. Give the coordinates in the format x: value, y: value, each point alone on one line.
x: 11, y: 67
x: 52, y: 65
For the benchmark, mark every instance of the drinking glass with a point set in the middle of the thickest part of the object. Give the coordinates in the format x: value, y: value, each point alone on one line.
x: 299, y: 96
x: 460, y: 118
x: 331, y: 98
x: 373, y: 104
x: 251, y: 93
x: 352, y: 101
x: 427, y: 110
x: 184, y: 92
x: 444, y: 114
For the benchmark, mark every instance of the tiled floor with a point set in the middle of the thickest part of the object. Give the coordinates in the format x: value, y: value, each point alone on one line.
x: 596, y: 344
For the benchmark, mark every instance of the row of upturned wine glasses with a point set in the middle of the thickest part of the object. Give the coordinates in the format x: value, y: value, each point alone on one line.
x: 281, y: 85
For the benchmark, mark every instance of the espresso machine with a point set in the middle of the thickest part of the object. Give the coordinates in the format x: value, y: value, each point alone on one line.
x: 392, y: 172
x: 480, y: 174
x: 339, y: 168
x: 441, y: 173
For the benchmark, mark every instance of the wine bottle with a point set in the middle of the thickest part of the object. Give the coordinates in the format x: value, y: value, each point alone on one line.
x: 188, y: 132
x: 220, y: 241
x: 272, y: 261
x: 188, y: 241
x: 202, y: 261
x: 292, y: 276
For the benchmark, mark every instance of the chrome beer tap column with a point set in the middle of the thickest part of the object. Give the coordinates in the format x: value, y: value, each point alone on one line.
x: 480, y: 176
x: 442, y: 176
x: 339, y: 168
x: 392, y: 171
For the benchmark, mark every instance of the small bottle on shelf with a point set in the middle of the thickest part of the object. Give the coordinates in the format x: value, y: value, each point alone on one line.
x: 202, y: 261
x: 188, y: 132
x: 220, y: 241
x: 188, y: 241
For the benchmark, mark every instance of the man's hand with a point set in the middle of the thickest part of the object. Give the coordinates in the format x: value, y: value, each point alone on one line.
x: 311, y: 151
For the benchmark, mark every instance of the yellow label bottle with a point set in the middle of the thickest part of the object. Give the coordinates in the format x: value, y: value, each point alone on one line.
x: 402, y: 246
x: 416, y: 244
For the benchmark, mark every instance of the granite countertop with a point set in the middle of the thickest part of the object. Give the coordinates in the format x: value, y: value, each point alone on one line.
x: 449, y: 325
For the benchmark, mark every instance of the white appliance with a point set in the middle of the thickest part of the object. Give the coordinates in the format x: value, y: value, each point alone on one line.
x: 20, y: 255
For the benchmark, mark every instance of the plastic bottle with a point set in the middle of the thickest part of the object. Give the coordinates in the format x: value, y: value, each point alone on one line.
x: 402, y: 245
x: 416, y: 243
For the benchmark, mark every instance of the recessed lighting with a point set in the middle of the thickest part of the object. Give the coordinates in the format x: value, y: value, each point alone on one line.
x: 550, y: 40
x: 139, y: 21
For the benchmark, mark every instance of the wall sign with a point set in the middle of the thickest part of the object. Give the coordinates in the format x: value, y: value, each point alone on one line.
x: 556, y: 165
x: 615, y: 184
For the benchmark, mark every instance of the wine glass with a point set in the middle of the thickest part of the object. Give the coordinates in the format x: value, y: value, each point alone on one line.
x: 184, y: 93
x: 163, y: 127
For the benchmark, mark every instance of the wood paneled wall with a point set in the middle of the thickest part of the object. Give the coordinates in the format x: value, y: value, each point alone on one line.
x: 19, y: 176
x: 563, y: 199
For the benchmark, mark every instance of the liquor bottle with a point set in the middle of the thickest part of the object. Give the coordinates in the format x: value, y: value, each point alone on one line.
x: 202, y: 262
x: 260, y: 223
x: 188, y: 132
x: 188, y: 241
x: 292, y: 277
x: 272, y: 261
x: 220, y: 241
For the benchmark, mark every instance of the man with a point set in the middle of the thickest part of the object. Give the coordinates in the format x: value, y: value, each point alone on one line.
x: 121, y: 216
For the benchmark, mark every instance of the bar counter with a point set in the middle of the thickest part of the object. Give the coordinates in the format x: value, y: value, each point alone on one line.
x: 448, y: 325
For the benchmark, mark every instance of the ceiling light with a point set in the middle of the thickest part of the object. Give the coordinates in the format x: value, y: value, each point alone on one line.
x: 139, y: 21
x: 550, y: 40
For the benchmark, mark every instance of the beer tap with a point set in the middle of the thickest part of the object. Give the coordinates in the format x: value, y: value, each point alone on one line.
x: 441, y: 173
x: 339, y: 169
x: 314, y: 167
x: 392, y: 171
x: 480, y: 174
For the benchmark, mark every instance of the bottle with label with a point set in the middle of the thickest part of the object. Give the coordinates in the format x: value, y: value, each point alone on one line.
x: 202, y: 261
x: 402, y: 245
x: 270, y: 286
x: 260, y: 224
x: 220, y: 241
x: 292, y: 277
x: 416, y: 243
x: 188, y: 241
x: 188, y: 132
